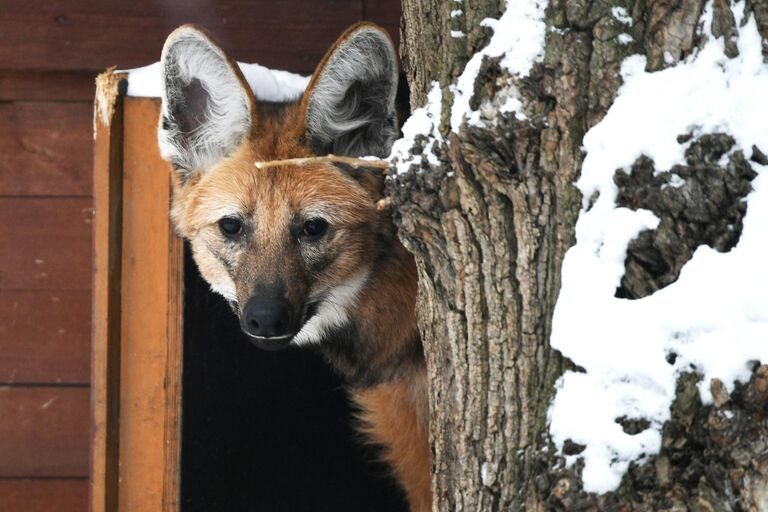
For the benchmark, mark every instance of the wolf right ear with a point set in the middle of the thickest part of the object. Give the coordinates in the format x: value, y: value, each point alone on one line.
x: 349, y: 106
x: 207, y: 106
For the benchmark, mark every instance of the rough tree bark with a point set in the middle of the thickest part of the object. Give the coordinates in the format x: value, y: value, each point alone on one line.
x: 490, y: 225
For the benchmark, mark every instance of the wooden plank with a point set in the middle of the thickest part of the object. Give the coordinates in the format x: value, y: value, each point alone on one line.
x: 172, y: 377
x: 44, y: 431
x: 383, y: 12
x: 47, y: 85
x: 31, y: 495
x: 151, y: 337
x: 387, y: 14
x: 77, y: 35
x: 46, y: 244
x: 45, y: 149
x: 107, y: 244
x: 45, y: 337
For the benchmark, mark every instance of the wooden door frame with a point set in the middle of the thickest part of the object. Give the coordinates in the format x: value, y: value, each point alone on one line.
x: 137, y: 310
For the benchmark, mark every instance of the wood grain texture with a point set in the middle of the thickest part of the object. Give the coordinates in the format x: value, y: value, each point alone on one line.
x: 44, y: 431
x: 47, y: 85
x: 33, y: 495
x: 383, y: 12
x: 46, y: 244
x: 107, y: 262
x: 45, y: 149
x: 172, y: 380
x: 151, y: 337
x: 387, y: 14
x: 45, y: 336
x: 78, y: 35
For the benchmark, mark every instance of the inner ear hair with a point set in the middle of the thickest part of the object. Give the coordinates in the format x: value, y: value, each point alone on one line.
x: 350, y: 102
x: 207, y: 107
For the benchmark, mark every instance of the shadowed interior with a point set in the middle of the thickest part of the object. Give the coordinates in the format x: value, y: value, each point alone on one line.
x: 270, y: 431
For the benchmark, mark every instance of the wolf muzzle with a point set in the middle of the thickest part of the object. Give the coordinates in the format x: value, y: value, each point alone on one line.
x: 271, y: 324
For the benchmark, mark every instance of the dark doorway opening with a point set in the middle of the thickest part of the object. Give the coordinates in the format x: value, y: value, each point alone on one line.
x: 267, y: 431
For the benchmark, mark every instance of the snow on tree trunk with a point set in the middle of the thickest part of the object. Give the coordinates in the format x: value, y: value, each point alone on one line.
x: 489, y: 210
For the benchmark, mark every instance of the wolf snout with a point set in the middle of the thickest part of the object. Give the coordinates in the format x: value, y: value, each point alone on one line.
x: 273, y: 318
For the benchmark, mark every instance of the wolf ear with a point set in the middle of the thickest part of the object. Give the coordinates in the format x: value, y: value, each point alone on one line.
x: 207, y: 107
x: 349, y: 106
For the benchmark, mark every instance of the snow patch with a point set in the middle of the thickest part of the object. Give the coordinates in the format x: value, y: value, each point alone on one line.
x: 621, y: 15
x: 484, y: 475
x: 715, y: 316
x: 512, y: 104
x: 266, y: 84
x: 625, y: 38
x: 518, y: 39
x: 675, y: 181
x: 425, y: 122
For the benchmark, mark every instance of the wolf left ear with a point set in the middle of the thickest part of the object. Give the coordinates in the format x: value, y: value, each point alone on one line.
x: 207, y: 105
x: 349, y: 106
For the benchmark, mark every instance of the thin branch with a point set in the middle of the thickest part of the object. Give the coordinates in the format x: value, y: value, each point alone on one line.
x: 327, y: 159
x: 384, y: 204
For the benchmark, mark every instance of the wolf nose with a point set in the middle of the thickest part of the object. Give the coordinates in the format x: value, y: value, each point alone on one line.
x: 267, y: 319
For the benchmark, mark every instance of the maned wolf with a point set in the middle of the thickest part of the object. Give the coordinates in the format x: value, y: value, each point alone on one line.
x: 302, y: 253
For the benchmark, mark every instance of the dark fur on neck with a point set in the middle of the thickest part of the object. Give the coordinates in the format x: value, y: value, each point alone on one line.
x: 381, y: 341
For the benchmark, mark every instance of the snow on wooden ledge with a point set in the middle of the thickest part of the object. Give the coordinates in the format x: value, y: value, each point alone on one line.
x: 266, y: 84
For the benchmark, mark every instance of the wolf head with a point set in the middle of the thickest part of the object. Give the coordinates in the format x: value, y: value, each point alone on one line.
x: 290, y: 248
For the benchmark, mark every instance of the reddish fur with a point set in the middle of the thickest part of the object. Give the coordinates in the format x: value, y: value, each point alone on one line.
x: 395, y: 412
x: 393, y: 417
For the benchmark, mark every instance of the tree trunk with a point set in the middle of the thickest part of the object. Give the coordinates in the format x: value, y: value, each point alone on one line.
x: 489, y: 227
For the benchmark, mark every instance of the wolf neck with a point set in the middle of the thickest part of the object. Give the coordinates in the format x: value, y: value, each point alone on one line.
x: 380, y: 341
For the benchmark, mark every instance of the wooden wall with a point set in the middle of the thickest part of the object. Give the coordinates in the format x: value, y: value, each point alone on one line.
x: 50, y: 53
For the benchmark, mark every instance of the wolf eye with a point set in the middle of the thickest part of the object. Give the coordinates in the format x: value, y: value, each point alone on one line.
x: 231, y: 227
x: 314, y: 228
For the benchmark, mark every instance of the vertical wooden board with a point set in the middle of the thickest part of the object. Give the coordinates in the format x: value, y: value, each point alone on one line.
x: 45, y: 336
x: 150, y: 357
x: 44, y: 431
x: 172, y: 382
x: 34, y: 495
x: 45, y: 244
x: 107, y: 244
x: 45, y: 149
